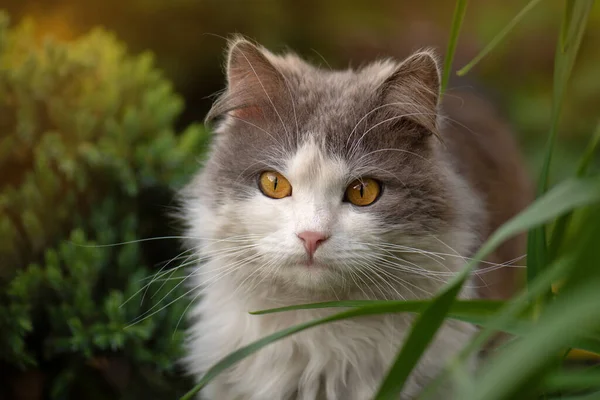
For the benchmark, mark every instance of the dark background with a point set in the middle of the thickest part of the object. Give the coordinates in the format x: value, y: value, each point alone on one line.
x: 188, y: 38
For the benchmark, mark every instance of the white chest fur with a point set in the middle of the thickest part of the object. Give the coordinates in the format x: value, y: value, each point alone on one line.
x: 344, y: 360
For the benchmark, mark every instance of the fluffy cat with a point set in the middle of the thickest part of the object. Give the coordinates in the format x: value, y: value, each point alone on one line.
x: 331, y: 185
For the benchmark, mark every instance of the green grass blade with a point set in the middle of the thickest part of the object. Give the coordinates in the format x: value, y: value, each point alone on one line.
x: 589, y: 343
x: 422, y: 333
x: 564, y: 29
x: 574, y: 24
x: 504, y: 321
x: 560, y: 227
x: 573, y: 315
x: 589, y: 396
x: 536, y: 258
x: 573, y: 27
x: 562, y: 322
x: 561, y: 199
x: 462, y: 306
x: 589, y: 153
x: 586, y: 244
x: 477, y: 312
x: 463, y: 311
x: 574, y: 380
x: 457, y: 20
x: 480, y: 312
x: 498, y: 38
x: 570, y: 194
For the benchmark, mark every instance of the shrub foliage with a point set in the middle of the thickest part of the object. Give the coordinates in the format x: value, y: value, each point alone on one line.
x: 88, y: 152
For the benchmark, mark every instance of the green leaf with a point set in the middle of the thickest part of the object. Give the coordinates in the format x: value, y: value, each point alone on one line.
x: 570, y: 194
x: 576, y: 380
x: 574, y: 314
x: 573, y: 27
x: 380, y: 308
x: 589, y: 153
x: 564, y: 29
x: 498, y: 38
x: 459, y: 15
x: 564, y: 197
x: 486, y: 313
x: 477, y: 307
x: 561, y: 323
x: 560, y: 227
x: 589, y: 396
x: 504, y: 321
x: 422, y: 333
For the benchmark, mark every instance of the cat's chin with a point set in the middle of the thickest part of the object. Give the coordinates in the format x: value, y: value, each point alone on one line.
x: 314, y: 276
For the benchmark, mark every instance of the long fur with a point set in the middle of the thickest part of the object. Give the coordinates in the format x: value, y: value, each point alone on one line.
x: 322, y: 130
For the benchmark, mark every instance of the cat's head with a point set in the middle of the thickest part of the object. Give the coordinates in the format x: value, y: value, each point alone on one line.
x: 328, y: 180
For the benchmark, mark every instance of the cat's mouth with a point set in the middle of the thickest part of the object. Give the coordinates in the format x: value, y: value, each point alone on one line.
x: 312, y: 263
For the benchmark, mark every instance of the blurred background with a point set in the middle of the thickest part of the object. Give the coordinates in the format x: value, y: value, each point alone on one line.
x: 188, y: 38
x: 101, y: 109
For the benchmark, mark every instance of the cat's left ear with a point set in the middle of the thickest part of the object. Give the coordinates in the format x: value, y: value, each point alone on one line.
x: 253, y: 82
x: 414, y: 86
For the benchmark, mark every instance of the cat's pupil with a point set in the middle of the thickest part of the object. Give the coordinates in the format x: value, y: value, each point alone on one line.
x: 275, y: 184
x: 362, y: 189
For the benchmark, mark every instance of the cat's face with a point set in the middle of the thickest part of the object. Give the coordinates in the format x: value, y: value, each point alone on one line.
x: 325, y: 180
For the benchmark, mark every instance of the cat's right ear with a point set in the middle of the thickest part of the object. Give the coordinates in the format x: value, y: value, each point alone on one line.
x: 253, y: 82
x: 415, y: 84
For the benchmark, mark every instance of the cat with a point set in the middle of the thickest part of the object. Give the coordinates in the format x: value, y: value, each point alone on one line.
x: 328, y: 185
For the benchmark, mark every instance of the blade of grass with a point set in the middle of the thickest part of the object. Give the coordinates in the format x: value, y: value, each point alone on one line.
x: 503, y: 320
x: 561, y: 268
x: 465, y: 314
x: 589, y: 152
x: 562, y: 198
x: 562, y: 222
x: 459, y: 310
x: 457, y: 20
x: 574, y: 24
x: 463, y: 306
x: 422, y: 333
x: 564, y: 29
x: 588, y: 396
x: 498, y: 38
x: 561, y: 323
x: 528, y: 360
x: 478, y: 312
x: 576, y: 380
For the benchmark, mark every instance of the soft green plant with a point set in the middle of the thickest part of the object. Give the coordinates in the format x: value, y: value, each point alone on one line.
x: 545, y: 324
x: 87, y: 151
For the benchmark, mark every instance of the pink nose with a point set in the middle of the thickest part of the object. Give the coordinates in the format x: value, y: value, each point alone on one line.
x: 312, y: 240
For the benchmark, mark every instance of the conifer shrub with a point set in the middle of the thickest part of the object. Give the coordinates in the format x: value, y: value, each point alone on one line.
x: 89, y: 160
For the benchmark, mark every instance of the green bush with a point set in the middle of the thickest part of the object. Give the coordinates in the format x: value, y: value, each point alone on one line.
x: 88, y: 152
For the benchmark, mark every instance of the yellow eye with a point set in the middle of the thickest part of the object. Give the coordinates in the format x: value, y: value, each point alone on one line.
x: 274, y: 185
x: 363, y: 192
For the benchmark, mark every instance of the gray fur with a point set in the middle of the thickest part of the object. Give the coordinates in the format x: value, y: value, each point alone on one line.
x: 336, y: 109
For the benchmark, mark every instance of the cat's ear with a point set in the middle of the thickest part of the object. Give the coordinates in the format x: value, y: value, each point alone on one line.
x: 253, y: 81
x: 414, y: 86
x: 248, y: 65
